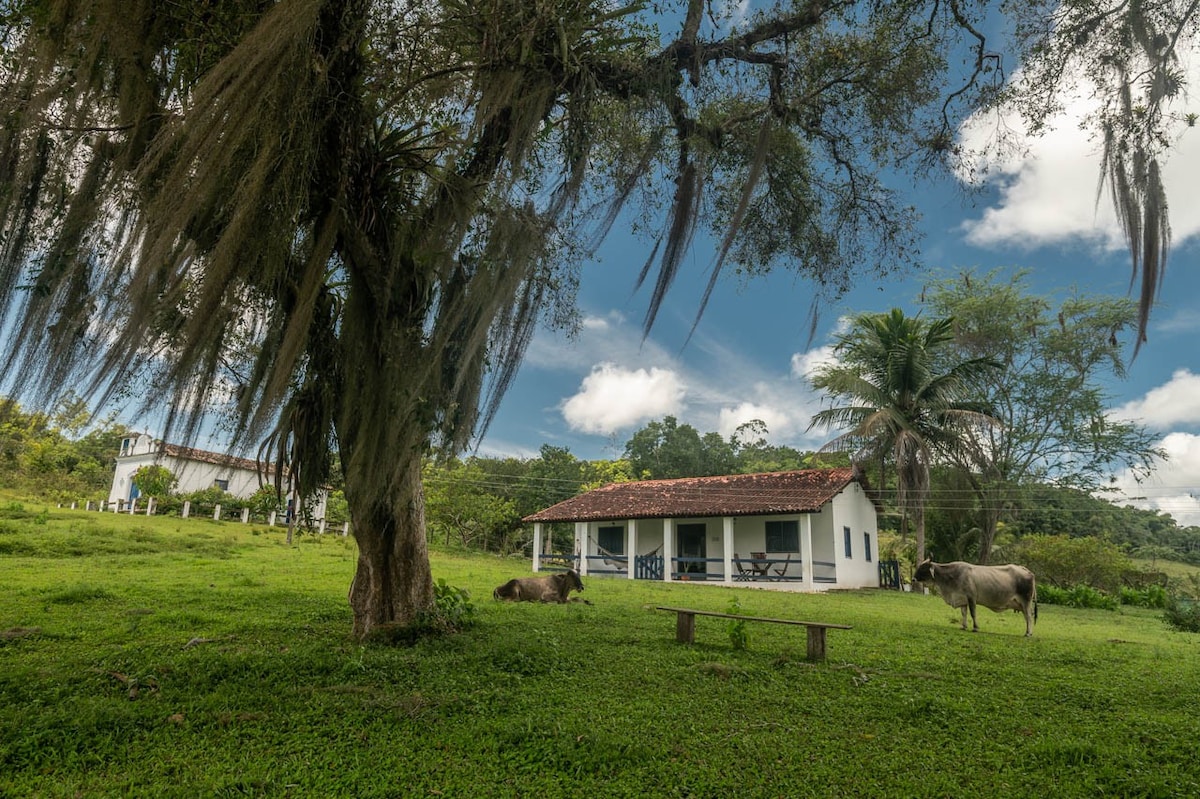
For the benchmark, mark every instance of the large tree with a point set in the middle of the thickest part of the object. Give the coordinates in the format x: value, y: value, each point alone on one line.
x: 667, y: 449
x: 908, y: 405
x: 1055, y: 424
x: 340, y: 220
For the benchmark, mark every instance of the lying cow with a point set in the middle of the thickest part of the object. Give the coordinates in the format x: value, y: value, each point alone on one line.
x: 552, y: 588
x: 965, y: 585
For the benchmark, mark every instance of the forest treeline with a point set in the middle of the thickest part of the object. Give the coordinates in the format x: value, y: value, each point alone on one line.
x: 478, y: 502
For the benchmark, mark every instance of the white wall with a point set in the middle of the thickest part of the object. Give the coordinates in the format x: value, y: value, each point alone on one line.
x: 853, y: 509
x: 192, y: 475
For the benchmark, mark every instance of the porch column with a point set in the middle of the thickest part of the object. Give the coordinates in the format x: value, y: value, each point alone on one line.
x: 668, y: 548
x: 581, y: 546
x: 537, y: 546
x: 631, y: 546
x: 727, y: 548
x: 806, y: 550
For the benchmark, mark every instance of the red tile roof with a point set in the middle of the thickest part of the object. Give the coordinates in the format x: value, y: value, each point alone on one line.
x: 190, y: 454
x: 804, y: 491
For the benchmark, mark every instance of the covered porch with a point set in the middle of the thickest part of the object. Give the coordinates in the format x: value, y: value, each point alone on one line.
x: 777, y: 553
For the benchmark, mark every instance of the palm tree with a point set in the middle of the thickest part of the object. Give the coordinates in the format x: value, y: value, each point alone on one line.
x: 906, y: 407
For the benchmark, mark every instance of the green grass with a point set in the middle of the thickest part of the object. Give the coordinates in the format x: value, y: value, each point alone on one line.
x: 168, y: 657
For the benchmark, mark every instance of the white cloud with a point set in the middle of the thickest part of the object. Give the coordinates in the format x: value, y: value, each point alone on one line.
x: 614, y: 398
x: 601, y: 324
x: 805, y: 364
x: 1167, y: 406
x: 624, y: 381
x: 1048, y: 184
x: 778, y: 421
x: 601, y: 338
x: 1175, y: 485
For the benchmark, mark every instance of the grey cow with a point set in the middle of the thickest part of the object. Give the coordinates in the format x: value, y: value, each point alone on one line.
x: 965, y: 585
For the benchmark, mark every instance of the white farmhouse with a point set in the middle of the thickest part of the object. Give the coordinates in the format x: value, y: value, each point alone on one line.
x: 807, y: 530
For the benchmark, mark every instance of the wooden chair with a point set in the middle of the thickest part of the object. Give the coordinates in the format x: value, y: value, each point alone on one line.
x: 759, y: 563
x: 782, y: 570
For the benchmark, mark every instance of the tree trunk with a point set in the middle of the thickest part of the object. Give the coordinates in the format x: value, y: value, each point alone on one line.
x: 987, y: 536
x: 393, y: 582
x: 917, y: 514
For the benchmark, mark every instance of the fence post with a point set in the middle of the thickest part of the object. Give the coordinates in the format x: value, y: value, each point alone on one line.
x: 321, y: 527
x: 245, y: 515
x: 150, y: 503
x: 217, y: 513
x: 271, y: 519
x: 133, y: 506
x: 345, y: 529
x: 187, y: 507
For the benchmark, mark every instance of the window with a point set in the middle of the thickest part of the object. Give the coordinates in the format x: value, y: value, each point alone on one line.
x: 867, y: 546
x: 849, y: 546
x: 783, y: 536
x: 221, y: 484
x: 612, y: 540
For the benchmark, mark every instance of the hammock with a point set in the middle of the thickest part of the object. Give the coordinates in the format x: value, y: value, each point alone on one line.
x: 618, y: 561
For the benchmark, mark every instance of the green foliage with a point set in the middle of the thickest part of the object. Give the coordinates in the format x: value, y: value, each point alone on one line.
x: 1183, y: 613
x: 1077, y: 596
x: 1059, y: 560
x: 263, y: 501
x: 461, y: 506
x: 206, y: 498
x: 455, y: 609
x: 58, y: 457
x: 665, y: 449
x: 155, y: 480
x: 139, y: 638
x: 906, y: 401
x: 1152, y: 596
x: 1049, y: 395
x: 337, y: 510
x: 739, y: 637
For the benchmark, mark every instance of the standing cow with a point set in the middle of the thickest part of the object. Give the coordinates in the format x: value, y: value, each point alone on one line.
x: 965, y: 585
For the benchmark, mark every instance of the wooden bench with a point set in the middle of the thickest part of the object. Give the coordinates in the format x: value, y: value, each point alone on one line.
x: 685, y: 627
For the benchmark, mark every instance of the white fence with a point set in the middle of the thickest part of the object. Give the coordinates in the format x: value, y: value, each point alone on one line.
x: 227, y: 513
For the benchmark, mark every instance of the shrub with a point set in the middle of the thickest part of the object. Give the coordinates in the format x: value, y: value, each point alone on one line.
x: 1063, y: 561
x: 738, y: 636
x: 1077, y: 596
x: 1152, y: 596
x: 1183, y: 614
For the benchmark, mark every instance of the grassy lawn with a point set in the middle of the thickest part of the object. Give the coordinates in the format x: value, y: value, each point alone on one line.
x: 162, y: 657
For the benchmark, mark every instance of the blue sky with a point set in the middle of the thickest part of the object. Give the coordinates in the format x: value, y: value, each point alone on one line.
x: 748, y: 355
